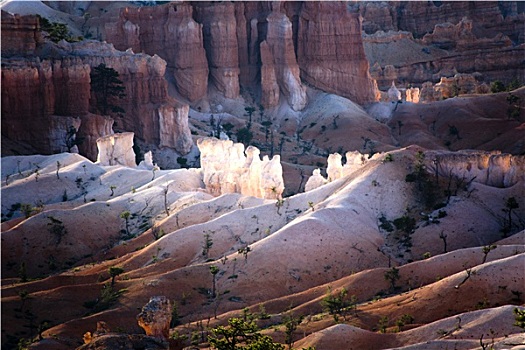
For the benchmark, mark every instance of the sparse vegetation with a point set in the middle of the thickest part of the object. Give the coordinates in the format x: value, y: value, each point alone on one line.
x: 126, y: 215
x: 56, y: 228
x: 392, y: 276
x: 107, y: 88
x: 241, y: 334
x: 56, y: 31
x: 115, y: 271
x: 519, y: 316
x: 206, y: 245
x: 336, y: 304
x: 214, y: 270
x: 486, y: 250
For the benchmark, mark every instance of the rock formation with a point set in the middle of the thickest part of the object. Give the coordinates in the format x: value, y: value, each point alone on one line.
x: 179, y: 41
x: 174, y: 131
x: 155, y: 317
x: 20, y: 34
x: 147, y: 163
x: 450, y: 38
x: 412, y: 95
x: 336, y: 169
x: 116, y: 149
x: 41, y: 95
x: 280, y: 57
x: 36, y: 94
x: 394, y: 94
x: 93, y: 127
x: 489, y: 168
x: 269, y: 87
x: 238, y: 42
x: 315, y: 181
x: 330, y: 51
x: 225, y: 169
x: 219, y: 28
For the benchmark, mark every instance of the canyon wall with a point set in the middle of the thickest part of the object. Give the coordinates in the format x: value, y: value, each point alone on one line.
x: 38, y: 89
x: 330, y: 51
x: 446, y: 38
x: 250, y: 43
x: 170, y: 32
x: 20, y: 34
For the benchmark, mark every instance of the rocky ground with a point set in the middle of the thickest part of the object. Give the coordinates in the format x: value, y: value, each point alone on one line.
x: 344, y: 234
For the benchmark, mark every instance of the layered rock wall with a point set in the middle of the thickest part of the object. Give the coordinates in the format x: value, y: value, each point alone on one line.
x: 280, y: 57
x: 330, y: 51
x: 450, y: 38
x: 35, y: 94
x: 219, y: 26
x: 20, y: 34
x: 171, y: 32
x: 226, y: 169
x: 239, y: 42
x: 489, y: 168
x: 36, y: 88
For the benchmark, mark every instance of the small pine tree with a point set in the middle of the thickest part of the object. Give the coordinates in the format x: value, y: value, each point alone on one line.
x: 114, y: 271
x: 107, y: 87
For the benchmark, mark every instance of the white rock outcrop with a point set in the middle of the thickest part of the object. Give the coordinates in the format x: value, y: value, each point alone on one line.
x: 226, y: 169
x: 147, y: 163
x: 335, y: 169
x: 394, y: 94
x: 315, y: 181
x: 174, y: 131
x: 116, y: 149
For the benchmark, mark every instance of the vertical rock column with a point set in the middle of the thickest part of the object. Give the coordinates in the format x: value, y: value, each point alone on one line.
x: 281, y: 55
x: 330, y: 51
x: 220, y: 41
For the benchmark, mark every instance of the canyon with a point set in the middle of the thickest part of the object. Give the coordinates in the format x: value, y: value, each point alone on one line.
x: 336, y: 175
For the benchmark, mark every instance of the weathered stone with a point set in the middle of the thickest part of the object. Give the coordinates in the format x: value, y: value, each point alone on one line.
x: 116, y: 149
x: 20, y: 34
x: 220, y: 41
x: 280, y: 44
x: 179, y: 41
x: 225, y: 169
x: 330, y: 51
x: 155, y: 317
x: 315, y: 181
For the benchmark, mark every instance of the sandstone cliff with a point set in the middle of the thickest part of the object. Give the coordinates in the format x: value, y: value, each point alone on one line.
x: 446, y: 38
x: 219, y: 26
x: 37, y: 88
x: 172, y: 33
x: 237, y: 43
x: 20, y: 34
x: 330, y: 51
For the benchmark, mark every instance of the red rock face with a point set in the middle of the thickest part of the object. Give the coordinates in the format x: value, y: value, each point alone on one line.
x: 170, y: 32
x: 231, y: 37
x: 33, y: 91
x: 483, y: 37
x: 330, y: 51
x: 280, y: 43
x: 20, y: 34
x: 220, y: 41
